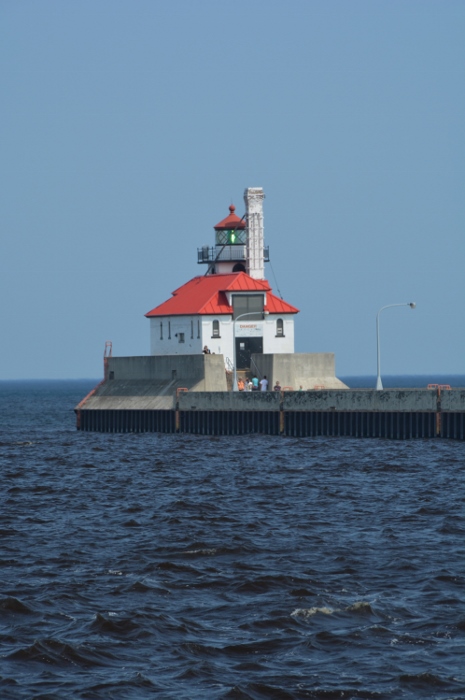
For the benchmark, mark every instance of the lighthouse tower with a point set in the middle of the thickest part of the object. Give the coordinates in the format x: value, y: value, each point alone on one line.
x: 231, y: 308
x: 239, y: 242
x: 229, y: 253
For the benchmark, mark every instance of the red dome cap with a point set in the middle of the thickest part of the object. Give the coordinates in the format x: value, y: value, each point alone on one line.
x: 231, y: 221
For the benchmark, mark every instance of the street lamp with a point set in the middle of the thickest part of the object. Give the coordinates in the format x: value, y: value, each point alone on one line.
x: 249, y: 313
x: 379, y: 383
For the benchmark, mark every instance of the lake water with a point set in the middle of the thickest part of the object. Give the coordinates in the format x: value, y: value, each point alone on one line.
x: 141, y: 566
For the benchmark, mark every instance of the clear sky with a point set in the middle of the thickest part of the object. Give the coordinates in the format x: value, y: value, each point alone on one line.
x: 129, y: 126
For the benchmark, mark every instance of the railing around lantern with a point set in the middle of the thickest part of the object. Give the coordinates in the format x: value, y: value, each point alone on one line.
x: 230, y: 252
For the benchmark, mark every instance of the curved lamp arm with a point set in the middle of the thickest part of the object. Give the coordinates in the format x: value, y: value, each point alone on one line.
x: 379, y: 384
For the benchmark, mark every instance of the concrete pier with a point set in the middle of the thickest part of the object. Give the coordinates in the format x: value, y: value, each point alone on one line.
x: 146, y: 395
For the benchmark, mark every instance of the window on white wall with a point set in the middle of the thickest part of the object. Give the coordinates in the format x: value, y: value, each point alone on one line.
x: 192, y: 329
x: 169, y: 330
x: 198, y: 328
x: 161, y: 330
x: 279, y: 328
x: 181, y: 337
x: 215, y: 329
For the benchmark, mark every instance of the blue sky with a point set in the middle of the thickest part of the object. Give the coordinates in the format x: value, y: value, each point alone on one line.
x: 128, y: 127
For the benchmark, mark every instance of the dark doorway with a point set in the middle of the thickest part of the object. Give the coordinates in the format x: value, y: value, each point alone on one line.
x: 244, y: 349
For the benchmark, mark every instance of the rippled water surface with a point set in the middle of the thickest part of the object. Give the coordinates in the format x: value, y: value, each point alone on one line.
x: 139, y: 566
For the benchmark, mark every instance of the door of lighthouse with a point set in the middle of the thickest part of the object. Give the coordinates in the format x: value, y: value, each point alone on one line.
x: 244, y: 349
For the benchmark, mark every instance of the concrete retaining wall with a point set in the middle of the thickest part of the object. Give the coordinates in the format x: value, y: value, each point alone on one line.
x: 230, y: 401
x: 410, y: 400
x: 133, y: 395
x: 361, y: 400
x: 197, y: 372
x: 453, y: 400
x: 299, y: 369
x: 206, y: 372
x: 150, y: 383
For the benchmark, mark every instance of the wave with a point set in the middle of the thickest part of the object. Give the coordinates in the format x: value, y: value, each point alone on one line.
x: 266, y: 691
x: 122, y: 627
x: 13, y: 605
x: 422, y: 679
x: 310, y: 612
x: 57, y: 653
x: 361, y: 607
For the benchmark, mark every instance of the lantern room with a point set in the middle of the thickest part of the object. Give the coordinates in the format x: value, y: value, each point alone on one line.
x: 230, y: 251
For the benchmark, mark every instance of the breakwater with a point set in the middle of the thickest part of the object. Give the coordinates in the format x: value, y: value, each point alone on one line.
x: 391, y: 413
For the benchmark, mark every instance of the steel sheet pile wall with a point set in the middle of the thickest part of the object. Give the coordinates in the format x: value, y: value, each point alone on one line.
x: 452, y: 415
x: 127, y: 421
x: 393, y: 425
x: 230, y: 422
x: 393, y: 413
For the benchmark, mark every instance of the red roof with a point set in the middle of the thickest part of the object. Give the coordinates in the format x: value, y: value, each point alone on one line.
x: 206, y: 296
x: 231, y: 221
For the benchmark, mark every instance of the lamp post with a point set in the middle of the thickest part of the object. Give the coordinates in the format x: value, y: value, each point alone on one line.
x: 379, y: 383
x: 249, y: 313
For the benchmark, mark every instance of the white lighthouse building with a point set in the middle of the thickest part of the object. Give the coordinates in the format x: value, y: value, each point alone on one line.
x: 231, y: 308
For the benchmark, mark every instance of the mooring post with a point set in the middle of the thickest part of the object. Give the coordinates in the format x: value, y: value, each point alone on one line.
x: 438, y: 412
x: 177, y: 422
x: 177, y: 411
x: 282, y: 423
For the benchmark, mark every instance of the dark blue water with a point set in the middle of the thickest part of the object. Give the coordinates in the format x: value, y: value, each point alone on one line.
x: 140, y: 566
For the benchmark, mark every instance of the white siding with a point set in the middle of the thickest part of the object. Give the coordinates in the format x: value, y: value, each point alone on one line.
x: 222, y: 345
x: 173, y: 326
x: 282, y: 344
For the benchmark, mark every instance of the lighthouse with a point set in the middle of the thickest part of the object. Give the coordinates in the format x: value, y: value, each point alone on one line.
x: 231, y: 309
x: 239, y: 243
